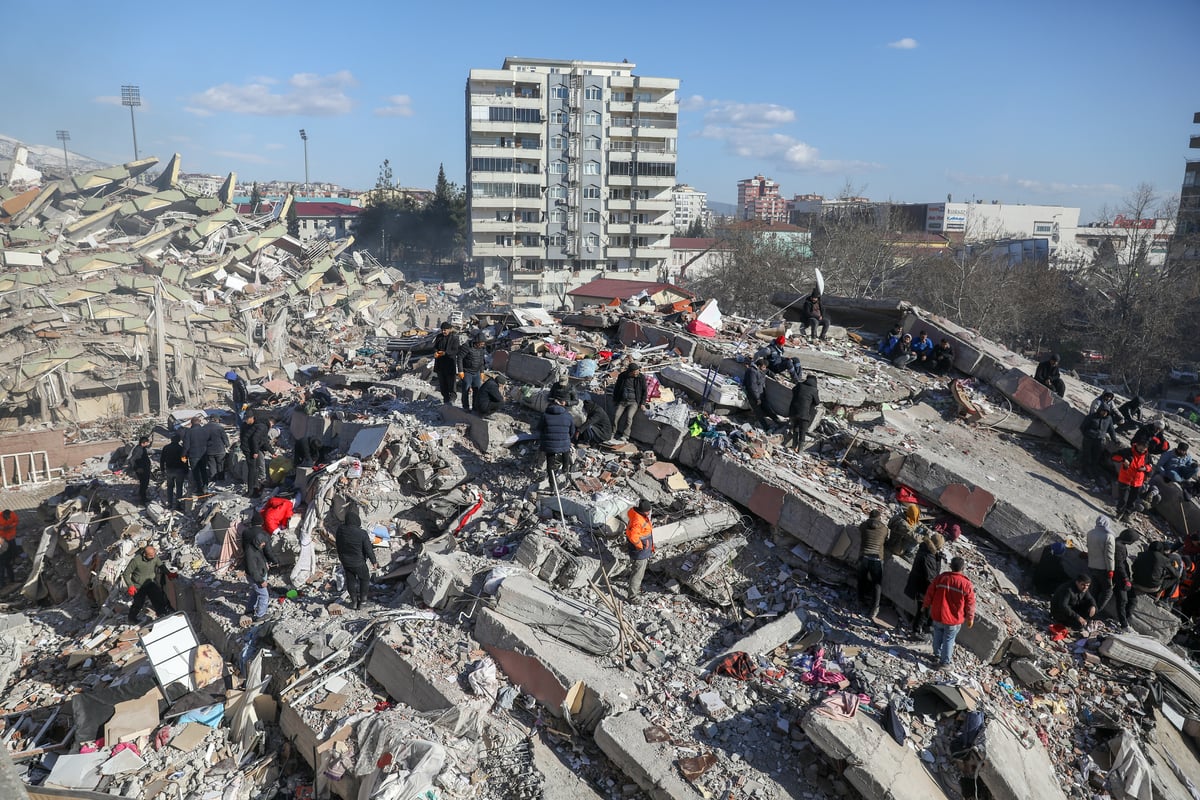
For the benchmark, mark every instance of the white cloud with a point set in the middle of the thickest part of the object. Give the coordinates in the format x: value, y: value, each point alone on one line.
x: 305, y: 93
x: 907, y: 43
x: 749, y: 130
x: 398, y: 105
x: 273, y: 146
x: 251, y: 158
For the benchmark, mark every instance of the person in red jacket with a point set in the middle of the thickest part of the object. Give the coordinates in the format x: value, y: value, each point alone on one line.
x: 951, y: 602
x: 8, y: 547
x: 276, y: 514
x: 1134, y: 467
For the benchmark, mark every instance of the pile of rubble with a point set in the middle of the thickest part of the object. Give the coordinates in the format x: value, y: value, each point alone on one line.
x: 500, y: 654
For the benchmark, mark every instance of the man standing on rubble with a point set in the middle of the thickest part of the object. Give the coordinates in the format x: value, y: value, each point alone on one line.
x: 143, y: 578
x: 639, y: 539
x: 255, y: 443
x: 256, y: 549
x: 556, y: 429
x: 1123, y: 576
x: 629, y: 393
x: 195, y: 452
x: 873, y: 532
x: 803, y: 410
x: 951, y: 602
x: 446, y: 347
x: 471, y: 363
x: 1102, y: 560
x: 139, y: 467
x: 218, y: 447
x: 174, y: 467
x: 927, y: 564
x: 239, y: 392
x: 8, y: 546
x: 754, y: 382
x: 1134, y: 468
x: 1049, y: 375
x: 355, y: 551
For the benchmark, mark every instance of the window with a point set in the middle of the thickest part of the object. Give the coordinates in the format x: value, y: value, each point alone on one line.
x: 529, y: 190
x: 592, y: 93
x: 592, y: 143
x: 531, y: 216
x: 503, y: 216
x: 504, y: 91
x: 531, y: 240
x: 591, y: 168
x: 491, y: 165
x: 647, y: 168
x: 591, y: 192
x: 528, y: 143
x: 557, y: 240
x: 557, y: 193
x: 621, y: 97
x: 591, y: 118
x: 644, y: 97
x: 591, y: 216
x: 558, y: 118
x: 587, y: 72
x: 505, y: 114
x: 558, y: 216
x: 504, y: 241
x: 557, y: 142
x: 558, y: 167
x: 1043, y: 228
x: 560, y: 92
x: 592, y: 240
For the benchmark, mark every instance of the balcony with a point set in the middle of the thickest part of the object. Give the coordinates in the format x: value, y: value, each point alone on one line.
x: 504, y: 202
x: 485, y: 249
x: 508, y: 126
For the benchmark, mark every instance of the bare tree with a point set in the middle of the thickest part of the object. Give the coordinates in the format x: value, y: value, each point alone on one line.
x: 754, y: 265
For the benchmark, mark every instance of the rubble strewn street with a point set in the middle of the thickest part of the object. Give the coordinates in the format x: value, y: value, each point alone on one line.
x: 499, y: 651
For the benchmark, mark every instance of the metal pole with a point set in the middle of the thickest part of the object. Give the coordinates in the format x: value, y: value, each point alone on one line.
x: 133, y: 125
x: 306, y: 166
x: 64, y: 137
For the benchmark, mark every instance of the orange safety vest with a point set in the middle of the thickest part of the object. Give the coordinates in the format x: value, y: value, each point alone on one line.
x: 639, y: 534
x: 8, y: 526
x: 1135, y: 474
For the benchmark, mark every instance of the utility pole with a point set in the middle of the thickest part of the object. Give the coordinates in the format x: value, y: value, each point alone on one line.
x: 160, y: 345
x: 64, y: 137
x: 304, y: 138
x: 132, y: 96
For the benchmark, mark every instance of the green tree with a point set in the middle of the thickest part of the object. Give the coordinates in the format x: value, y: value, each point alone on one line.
x: 696, y: 230
x: 255, y: 198
x: 445, y: 220
x: 385, y: 180
x: 753, y: 266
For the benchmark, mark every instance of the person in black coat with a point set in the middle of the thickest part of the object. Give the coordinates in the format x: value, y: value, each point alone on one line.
x: 239, y: 392
x: 446, y: 346
x: 218, y: 446
x: 139, y: 466
x: 258, y: 556
x: 1072, y: 604
x: 255, y: 444
x: 597, y: 427
x: 1095, y: 427
x: 471, y: 361
x: 812, y: 315
x: 195, y: 450
x: 1049, y: 375
x: 175, y: 470
x: 629, y: 393
x: 355, y: 550
x: 754, y: 381
x: 943, y: 358
x: 490, y: 397
x: 1131, y: 413
x: 803, y: 409
x: 1122, y: 580
x: 928, y: 563
x: 555, y: 431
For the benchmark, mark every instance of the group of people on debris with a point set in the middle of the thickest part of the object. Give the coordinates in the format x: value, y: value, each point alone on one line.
x: 903, y: 350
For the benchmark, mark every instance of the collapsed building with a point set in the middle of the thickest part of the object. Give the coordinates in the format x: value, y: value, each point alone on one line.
x: 500, y: 657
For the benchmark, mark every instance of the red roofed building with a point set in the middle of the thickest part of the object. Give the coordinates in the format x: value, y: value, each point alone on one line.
x: 327, y: 220
x: 613, y: 291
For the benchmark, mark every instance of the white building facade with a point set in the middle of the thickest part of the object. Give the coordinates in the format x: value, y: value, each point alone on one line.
x: 690, y: 205
x: 977, y: 222
x: 570, y: 174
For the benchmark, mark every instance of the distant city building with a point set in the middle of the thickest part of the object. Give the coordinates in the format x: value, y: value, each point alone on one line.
x: 570, y: 170
x: 690, y: 205
x: 206, y: 185
x: 321, y: 219
x: 807, y: 210
x: 695, y: 257
x: 1121, y: 239
x: 16, y: 171
x: 758, y: 198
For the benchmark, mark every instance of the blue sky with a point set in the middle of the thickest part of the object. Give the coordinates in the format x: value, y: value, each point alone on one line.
x: 1072, y: 103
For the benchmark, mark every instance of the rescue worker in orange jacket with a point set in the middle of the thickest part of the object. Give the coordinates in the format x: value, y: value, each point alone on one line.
x: 639, y: 535
x: 1134, y: 467
x: 8, y: 546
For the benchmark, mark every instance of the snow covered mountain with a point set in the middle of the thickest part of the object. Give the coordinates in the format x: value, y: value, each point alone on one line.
x: 44, y: 156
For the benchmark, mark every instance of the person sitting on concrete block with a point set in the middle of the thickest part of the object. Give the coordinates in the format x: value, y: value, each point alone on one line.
x: 1179, y: 467
x: 630, y: 392
x: 873, y: 532
x: 1072, y: 604
x: 902, y: 353
x: 597, y: 426
x: 887, y: 344
x: 813, y: 316
x: 1131, y: 411
x: 943, y: 358
x: 922, y: 348
x: 639, y: 538
x: 951, y: 603
x: 143, y: 578
x: 490, y: 396
x: 778, y: 362
x: 1151, y: 570
x: 1049, y: 375
x: 1107, y: 400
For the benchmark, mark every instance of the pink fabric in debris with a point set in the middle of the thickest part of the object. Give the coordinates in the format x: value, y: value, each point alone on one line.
x: 839, y: 705
x: 818, y: 673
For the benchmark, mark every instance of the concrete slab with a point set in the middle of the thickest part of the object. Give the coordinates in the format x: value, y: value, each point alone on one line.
x: 583, y: 626
x: 767, y: 637
x: 875, y: 765
x: 412, y: 683
x: 1017, y: 769
x: 698, y: 527
x: 489, y: 435
x: 530, y: 369
x: 439, y: 579
x: 651, y: 765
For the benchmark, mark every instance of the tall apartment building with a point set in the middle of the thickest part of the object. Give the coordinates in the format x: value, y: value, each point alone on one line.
x: 1187, y: 227
x: 690, y: 205
x: 570, y: 170
x: 758, y: 198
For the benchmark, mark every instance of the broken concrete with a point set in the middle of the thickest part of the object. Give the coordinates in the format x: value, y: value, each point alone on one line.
x: 532, y: 603
x: 650, y: 765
